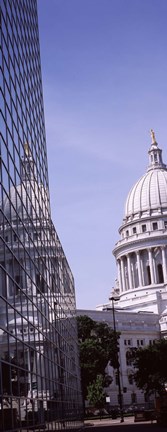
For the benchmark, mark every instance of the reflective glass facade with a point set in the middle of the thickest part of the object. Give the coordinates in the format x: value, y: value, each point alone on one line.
x: 39, y: 366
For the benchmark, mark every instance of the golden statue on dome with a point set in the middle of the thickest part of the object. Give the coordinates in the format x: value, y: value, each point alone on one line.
x: 26, y: 149
x: 153, y: 137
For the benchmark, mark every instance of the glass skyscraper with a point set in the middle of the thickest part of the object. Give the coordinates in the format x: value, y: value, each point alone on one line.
x: 39, y: 365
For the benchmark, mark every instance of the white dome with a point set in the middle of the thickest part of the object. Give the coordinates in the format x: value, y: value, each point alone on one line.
x: 150, y: 192
x: 27, y: 200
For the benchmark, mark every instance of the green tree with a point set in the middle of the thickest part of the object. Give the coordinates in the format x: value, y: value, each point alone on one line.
x: 151, y: 371
x: 98, y: 345
x: 96, y: 395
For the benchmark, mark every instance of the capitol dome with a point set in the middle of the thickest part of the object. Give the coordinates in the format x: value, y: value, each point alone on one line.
x: 141, y: 251
x: 29, y: 199
x: 149, y: 194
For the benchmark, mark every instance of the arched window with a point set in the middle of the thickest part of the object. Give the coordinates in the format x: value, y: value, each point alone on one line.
x: 160, y: 273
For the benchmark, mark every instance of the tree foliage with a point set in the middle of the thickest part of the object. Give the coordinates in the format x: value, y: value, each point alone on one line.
x: 98, y: 345
x: 96, y: 394
x: 151, y: 371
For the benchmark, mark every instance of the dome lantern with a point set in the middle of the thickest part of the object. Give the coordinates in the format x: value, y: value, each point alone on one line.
x: 155, y: 154
x: 28, y: 171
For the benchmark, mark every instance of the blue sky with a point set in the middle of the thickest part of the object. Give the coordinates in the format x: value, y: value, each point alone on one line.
x: 104, y: 70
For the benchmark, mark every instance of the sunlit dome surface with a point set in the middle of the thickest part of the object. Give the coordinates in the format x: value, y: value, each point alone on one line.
x: 150, y: 192
x: 29, y: 200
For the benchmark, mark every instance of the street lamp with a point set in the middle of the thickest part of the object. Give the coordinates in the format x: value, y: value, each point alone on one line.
x: 113, y: 299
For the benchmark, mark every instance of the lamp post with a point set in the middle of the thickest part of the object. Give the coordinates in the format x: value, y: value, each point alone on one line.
x: 117, y: 361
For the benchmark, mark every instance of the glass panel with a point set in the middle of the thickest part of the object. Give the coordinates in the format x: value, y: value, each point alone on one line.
x: 39, y: 363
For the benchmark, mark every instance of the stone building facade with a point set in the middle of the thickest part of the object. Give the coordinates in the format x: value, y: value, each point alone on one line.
x: 137, y: 329
x: 141, y: 285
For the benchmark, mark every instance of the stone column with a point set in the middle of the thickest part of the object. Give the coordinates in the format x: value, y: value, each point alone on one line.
x: 119, y: 275
x: 27, y: 276
x: 164, y: 263
x: 129, y: 272
x: 139, y: 268
x: 151, y: 265
x: 133, y: 275
x: 123, y: 275
x: 154, y: 270
x: 142, y: 269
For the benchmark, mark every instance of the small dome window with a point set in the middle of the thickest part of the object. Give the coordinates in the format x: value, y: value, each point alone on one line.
x: 144, y: 228
x: 155, y: 226
x: 134, y: 230
x: 127, y: 233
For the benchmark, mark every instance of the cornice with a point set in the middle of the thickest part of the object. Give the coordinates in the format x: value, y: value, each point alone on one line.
x: 132, y: 246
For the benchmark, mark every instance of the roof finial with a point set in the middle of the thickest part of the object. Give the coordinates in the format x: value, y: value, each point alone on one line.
x: 153, y: 136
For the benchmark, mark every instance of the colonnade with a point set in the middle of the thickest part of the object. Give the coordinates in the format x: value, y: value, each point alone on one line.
x: 141, y: 268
